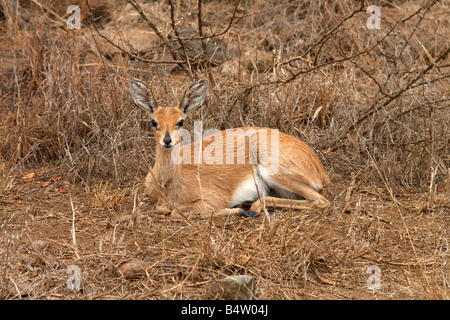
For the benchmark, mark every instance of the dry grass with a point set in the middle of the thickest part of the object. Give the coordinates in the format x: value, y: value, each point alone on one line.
x: 374, y: 104
x: 105, y: 197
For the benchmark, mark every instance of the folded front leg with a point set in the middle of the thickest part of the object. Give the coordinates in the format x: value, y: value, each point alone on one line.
x: 202, y: 210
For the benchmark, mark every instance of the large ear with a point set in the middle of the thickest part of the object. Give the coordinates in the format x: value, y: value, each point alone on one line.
x: 142, y: 96
x: 194, y: 97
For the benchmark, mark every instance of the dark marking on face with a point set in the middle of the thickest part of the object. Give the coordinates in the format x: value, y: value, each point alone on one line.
x: 167, y: 139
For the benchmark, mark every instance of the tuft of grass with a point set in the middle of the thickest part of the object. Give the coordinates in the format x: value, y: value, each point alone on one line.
x: 104, y: 196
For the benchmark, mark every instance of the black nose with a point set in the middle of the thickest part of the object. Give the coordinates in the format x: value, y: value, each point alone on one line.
x: 167, y: 139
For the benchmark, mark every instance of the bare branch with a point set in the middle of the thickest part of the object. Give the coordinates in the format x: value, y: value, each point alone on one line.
x: 132, y: 55
x: 206, y: 58
x: 166, y: 42
x: 180, y: 41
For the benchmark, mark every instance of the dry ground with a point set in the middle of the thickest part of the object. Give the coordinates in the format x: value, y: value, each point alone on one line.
x: 74, y: 150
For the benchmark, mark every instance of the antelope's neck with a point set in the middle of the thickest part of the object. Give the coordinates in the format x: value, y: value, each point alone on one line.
x: 165, y: 170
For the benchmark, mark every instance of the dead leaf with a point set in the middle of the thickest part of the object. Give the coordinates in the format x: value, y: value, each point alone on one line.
x: 402, y: 195
x: 330, y: 282
x: 64, y: 189
x: 30, y: 175
x: 243, y: 259
x: 133, y: 267
x: 55, y: 179
x: 40, y: 245
x: 45, y: 184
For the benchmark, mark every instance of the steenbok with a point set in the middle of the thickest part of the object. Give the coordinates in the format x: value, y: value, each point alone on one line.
x: 214, y: 175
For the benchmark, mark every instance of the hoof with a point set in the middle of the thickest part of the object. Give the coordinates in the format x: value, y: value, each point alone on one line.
x: 250, y: 214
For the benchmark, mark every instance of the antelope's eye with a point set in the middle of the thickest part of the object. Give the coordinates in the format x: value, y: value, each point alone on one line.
x: 154, y: 123
x: 180, y: 123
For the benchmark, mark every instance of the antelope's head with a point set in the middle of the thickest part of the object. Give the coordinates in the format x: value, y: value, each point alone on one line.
x: 167, y: 122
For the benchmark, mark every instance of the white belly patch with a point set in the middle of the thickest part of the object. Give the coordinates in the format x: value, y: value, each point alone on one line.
x: 249, y: 190
x: 262, y: 185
